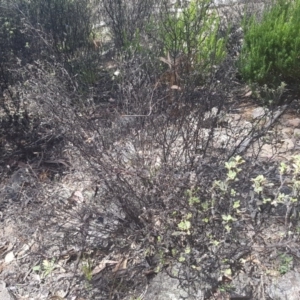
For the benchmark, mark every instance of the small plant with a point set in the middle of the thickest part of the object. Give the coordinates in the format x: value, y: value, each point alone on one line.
x: 185, y: 225
x: 268, y: 95
x: 261, y: 185
x: 46, y: 268
x: 233, y: 169
x: 286, y: 262
x: 89, y: 75
x: 225, y: 288
x: 192, y: 198
x: 87, y: 269
x: 192, y: 34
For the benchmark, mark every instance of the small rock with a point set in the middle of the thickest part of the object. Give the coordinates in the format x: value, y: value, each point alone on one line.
x: 4, y: 294
x: 259, y: 112
x: 232, y: 117
x: 267, y: 151
x: 293, y: 122
x: 9, y: 257
x: 286, y: 287
x: 288, y: 144
x: 163, y: 287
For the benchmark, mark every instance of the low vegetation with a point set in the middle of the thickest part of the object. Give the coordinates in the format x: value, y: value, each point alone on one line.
x: 270, y: 53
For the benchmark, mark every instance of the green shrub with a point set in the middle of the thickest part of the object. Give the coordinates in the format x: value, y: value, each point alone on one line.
x: 270, y: 54
x: 193, y: 32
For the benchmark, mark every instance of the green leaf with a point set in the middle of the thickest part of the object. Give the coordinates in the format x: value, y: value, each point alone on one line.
x: 187, y: 250
x: 239, y: 160
x: 258, y: 183
x: 230, y: 165
x: 189, y: 216
x: 231, y: 175
x: 266, y: 200
x: 215, y: 242
x: 36, y: 268
x: 184, y: 225
x: 228, y: 218
x: 181, y: 259
x: 193, y: 200
x: 228, y: 272
x: 293, y: 200
x: 228, y: 228
x: 236, y: 204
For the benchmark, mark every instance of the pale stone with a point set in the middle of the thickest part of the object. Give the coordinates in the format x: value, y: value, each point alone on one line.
x: 267, y: 151
x: 288, y: 144
x: 4, y: 294
x: 293, y: 122
x: 285, y: 287
x: 9, y: 257
x: 259, y: 112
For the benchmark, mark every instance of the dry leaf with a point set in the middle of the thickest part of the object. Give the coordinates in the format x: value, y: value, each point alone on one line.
x: 102, y: 266
x: 44, y: 175
x: 121, y: 265
x: 248, y: 94
x: 25, y: 248
x: 175, y: 87
x: 273, y: 273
